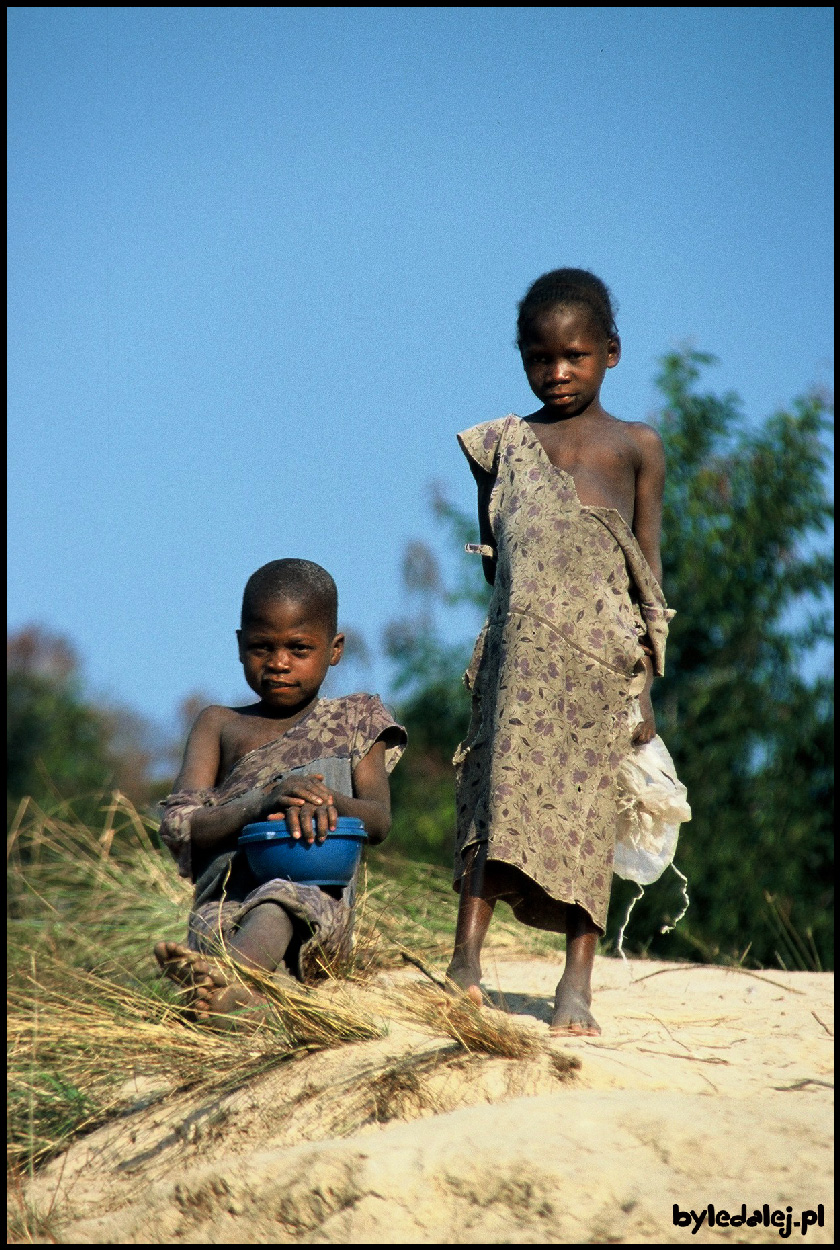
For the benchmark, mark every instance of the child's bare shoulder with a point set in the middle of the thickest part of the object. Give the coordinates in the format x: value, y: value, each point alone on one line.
x: 215, y: 714
x: 217, y: 721
x: 645, y: 435
x: 221, y: 735
x: 206, y: 745
x: 641, y: 439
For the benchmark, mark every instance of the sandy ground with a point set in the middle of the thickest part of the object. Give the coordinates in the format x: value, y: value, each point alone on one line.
x: 708, y: 1085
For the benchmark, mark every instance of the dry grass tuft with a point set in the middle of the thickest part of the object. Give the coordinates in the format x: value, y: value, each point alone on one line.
x: 451, y: 1013
x: 91, y: 896
x: 400, y: 1090
x: 795, y: 953
x: 27, y: 1223
x: 311, y: 1017
x: 75, y: 1038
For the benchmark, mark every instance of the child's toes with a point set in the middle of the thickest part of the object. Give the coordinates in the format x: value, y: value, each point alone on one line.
x: 201, y: 1001
x: 173, y: 961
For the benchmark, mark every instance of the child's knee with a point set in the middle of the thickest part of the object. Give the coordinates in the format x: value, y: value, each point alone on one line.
x: 268, y: 917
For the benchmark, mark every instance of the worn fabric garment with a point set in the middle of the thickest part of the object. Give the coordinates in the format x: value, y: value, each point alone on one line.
x: 554, y: 676
x: 331, y: 739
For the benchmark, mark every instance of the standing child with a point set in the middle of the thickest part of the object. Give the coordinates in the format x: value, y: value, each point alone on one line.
x: 569, y: 505
x: 291, y: 754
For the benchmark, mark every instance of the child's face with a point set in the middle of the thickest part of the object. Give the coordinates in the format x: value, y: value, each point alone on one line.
x: 565, y: 359
x: 286, y: 651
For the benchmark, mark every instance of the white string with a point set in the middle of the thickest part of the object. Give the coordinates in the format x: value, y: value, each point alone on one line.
x: 667, y: 928
x: 633, y: 903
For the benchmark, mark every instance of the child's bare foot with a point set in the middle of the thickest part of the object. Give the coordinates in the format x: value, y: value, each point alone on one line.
x: 209, y: 1005
x: 467, y: 977
x: 209, y: 991
x: 187, y: 967
x: 572, y: 1017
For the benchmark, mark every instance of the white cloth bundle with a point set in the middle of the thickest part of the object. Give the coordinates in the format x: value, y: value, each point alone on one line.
x: 653, y: 804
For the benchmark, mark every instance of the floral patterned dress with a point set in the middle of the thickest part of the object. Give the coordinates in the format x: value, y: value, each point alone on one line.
x: 331, y: 739
x: 554, y: 677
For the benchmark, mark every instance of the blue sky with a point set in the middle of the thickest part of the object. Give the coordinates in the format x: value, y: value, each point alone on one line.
x: 264, y: 263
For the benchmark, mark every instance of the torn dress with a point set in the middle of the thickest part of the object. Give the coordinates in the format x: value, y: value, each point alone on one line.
x: 554, y: 678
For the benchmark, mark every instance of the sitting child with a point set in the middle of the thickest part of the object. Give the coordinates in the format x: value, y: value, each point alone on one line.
x: 290, y: 755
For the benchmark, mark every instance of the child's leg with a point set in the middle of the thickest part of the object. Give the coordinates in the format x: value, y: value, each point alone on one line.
x: 260, y: 942
x: 475, y: 907
x: 263, y: 937
x: 574, y: 991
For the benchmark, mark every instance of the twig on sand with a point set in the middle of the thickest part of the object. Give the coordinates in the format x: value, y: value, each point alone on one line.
x: 676, y: 968
x: 670, y: 1054
x: 427, y: 972
x: 803, y: 1084
x: 670, y: 1034
x: 829, y: 1031
x: 745, y: 972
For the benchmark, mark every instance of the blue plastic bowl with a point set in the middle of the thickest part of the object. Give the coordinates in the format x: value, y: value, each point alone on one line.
x: 272, y: 852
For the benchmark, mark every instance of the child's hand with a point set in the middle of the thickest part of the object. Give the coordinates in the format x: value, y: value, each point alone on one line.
x: 645, y: 731
x: 307, y: 805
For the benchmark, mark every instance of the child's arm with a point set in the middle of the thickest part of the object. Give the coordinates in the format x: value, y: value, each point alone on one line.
x: 647, y: 526
x: 650, y: 485
x: 199, y: 771
x: 372, y: 804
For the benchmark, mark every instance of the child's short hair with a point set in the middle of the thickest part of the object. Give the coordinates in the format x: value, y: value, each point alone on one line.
x: 301, y: 580
x: 566, y: 286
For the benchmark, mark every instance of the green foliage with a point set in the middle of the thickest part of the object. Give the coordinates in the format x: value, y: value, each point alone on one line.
x: 745, y: 566
x: 435, y: 707
x: 61, y: 745
x: 752, y: 739
x: 56, y: 744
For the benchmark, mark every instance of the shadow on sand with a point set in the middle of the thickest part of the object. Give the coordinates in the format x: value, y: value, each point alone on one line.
x: 523, y: 1004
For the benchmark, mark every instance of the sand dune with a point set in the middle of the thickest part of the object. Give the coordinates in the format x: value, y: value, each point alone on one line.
x: 709, y: 1085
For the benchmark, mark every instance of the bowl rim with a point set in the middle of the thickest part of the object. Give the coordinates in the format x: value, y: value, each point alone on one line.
x: 343, y: 822
x: 252, y: 835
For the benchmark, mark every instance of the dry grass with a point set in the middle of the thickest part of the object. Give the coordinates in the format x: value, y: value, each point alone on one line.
x: 94, y: 897
x: 88, y: 1010
x: 794, y: 953
x: 75, y: 1039
x: 451, y: 1013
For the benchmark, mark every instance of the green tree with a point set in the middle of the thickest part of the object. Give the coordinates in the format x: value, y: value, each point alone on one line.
x: 746, y: 568
x: 60, y: 745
